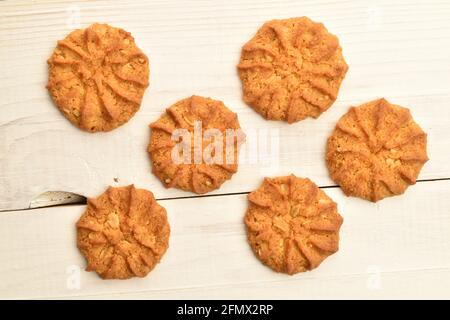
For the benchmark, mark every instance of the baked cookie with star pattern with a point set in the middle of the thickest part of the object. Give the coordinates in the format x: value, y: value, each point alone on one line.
x: 291, y: 69
x: 123, y: 233
x: 376, y: 151
x: 292, y: 225
x: 97, y: 77
x: 181, y: 162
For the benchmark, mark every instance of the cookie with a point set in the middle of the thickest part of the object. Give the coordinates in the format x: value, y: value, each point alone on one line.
x: 376, y: 151
x: 97, y: 77
x: 180, y: 145
x: 292, y: 225
x: 123, y: 233
x: 291, y: 69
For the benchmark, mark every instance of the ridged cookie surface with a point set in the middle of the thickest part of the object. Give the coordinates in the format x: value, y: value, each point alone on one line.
x: 196, y: 172
x: 97, y: 77
x: 292, y: 225
x: 124, y: 233
x: 376, y: 151
x: 291, y: 69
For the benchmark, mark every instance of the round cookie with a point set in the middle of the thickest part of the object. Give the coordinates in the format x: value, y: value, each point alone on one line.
x: 292, y: 225
x: 291, y: 69
x: 376, y: 151
x: 123, y: 233
x: 192, y: 171
x: 97, y: 77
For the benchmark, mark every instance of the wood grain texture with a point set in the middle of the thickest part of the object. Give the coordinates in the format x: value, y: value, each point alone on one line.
x: 399, y: 247
x: 399, y: 51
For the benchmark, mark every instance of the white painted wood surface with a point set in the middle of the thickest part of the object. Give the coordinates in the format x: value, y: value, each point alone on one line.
x: 399, y: 50
x: 397, y: 248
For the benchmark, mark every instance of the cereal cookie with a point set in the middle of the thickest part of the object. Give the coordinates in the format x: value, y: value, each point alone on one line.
x: 97, y: 77
x: 291, y: 69
x: 376, y: 151
x: 292, y: 225
x: 123, y: 233
x: 195, y: 124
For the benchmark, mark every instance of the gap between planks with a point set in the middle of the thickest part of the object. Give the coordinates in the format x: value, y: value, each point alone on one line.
x: 83, y: 200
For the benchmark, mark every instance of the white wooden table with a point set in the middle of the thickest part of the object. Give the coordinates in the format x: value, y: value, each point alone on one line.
x: 397, y: 248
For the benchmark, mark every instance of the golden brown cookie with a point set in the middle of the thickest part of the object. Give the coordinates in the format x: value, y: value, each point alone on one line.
x: 376, y: 151
x: 190, y: 169
x: 291, y: 69
x: 292, y: 225
x: 97, y: 77
x: 123, y: 233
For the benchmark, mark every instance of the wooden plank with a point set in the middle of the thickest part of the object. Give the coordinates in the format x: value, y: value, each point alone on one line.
x: 399, y: 247
x: 428, y: 284
x: 398, y: 50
